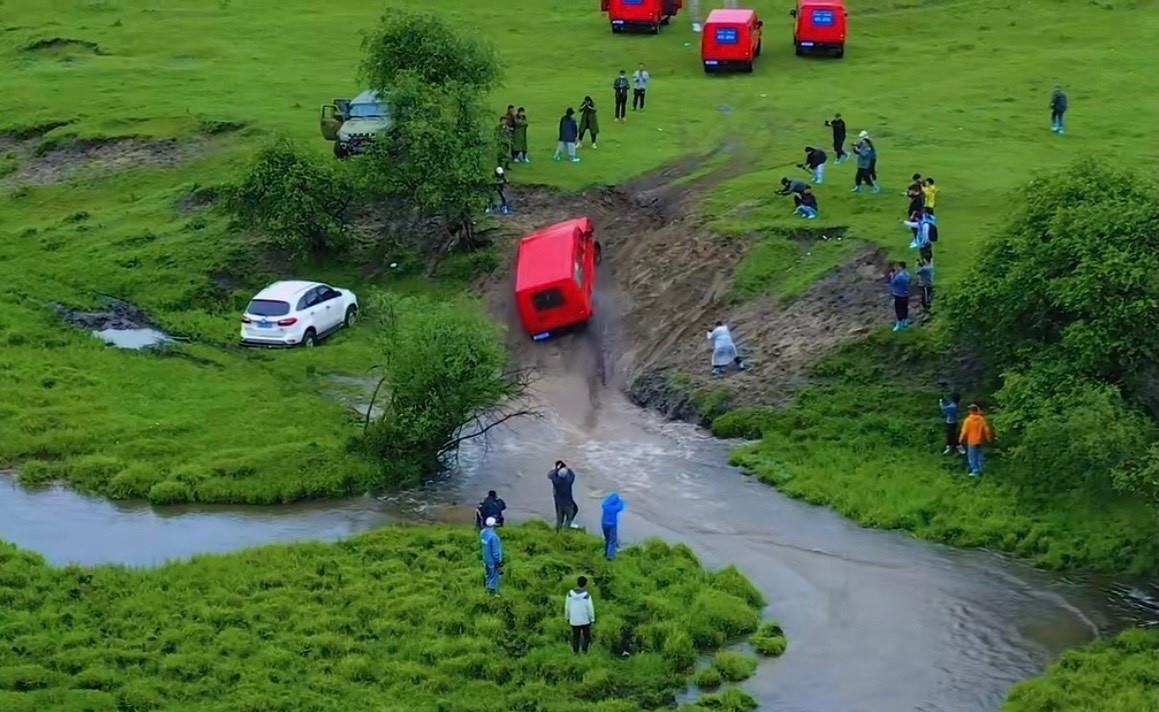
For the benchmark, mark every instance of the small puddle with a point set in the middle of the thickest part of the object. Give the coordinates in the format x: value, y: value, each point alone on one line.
x: 133, y: 338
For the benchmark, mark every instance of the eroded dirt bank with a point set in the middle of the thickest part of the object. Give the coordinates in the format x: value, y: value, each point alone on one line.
x: 665, y: 280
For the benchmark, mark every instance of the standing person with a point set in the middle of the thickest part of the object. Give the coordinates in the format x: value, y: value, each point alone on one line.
x: 639, y: 87
x: 504, y: 135
x: 930, y: 191
x: 917, y: 198
x: 580, y: 612
x: 724, y: 353
x: 976, y: 432
x: 838, y: 125
x: 1057, y: 109
x: 926, y: 284
x: 510, y: 116
x: 815, y: 163
x: 519, y: 137
x: 806, y: 204
x: 568, y: 133
x: 899, y: 281
x: 492, y: 555
x: 949, y: 408
x: 925, y: 233
x: 501, y: 191
x: 620, y: 88
x: 490, y: 508
x: 588, y: 121
x: 613, y: 505
x: 866, y: 164
x: 562, y: 478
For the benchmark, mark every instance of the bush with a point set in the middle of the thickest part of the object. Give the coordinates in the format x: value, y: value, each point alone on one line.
x: 170, y: 492
x: 430, y: 49
x: 443, y: 367
x: 731, y: 580
x: 769, y: 639
x: 133, y: 482
x: 734, y: 666
x: 733, y: 699
x: 298, y: 201
x: 709, y: 678
x: 93, y: 472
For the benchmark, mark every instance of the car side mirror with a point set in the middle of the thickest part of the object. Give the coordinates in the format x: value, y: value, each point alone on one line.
x: 793, y: 13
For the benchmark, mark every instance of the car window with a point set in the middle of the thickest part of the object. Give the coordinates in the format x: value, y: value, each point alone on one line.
x: 547, y: 299
x: 308, y: 299
x: 325, y: 293
x: 268, y: 307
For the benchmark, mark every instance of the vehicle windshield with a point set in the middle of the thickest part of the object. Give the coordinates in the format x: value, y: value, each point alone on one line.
x: 369, y: 110
x: 268, y: 307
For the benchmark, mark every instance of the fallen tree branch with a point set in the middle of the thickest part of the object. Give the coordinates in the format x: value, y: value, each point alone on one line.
x: 458, y: 440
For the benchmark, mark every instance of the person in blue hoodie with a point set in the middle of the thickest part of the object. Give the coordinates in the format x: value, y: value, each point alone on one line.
x: 899, y: 280
x: 923, y: 233
x: 492, y: 555
x: 613, y: 505
x: 1057, y: 109
x: 950, y: 407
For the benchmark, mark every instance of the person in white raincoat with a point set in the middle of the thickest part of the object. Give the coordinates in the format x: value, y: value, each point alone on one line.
x: 724, y: 351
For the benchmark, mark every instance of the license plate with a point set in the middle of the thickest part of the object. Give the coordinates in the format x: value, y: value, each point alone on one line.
x: 265, y: 324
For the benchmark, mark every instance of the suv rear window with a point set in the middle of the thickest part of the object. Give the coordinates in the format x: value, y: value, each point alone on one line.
x: 547, y: 299
x: 268, y: 307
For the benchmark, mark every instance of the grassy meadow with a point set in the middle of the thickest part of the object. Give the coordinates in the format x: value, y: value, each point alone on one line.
x: 397, y: 619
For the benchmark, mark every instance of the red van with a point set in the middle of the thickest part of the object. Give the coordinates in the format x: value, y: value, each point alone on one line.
x: 731, y: 38
x: 555, y: 274
x: 640, y: 14
x: 820, y: 26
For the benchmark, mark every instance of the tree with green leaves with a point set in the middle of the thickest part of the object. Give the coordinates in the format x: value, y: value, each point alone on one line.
x: 444, y: 382
x: 430, y: 49
x: 295, y: 199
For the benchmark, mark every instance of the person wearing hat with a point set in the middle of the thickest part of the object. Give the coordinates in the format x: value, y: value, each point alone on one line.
x: 866, y: 163
x: 501, y: 190
x: 976, y: 432
x: 492, y: 555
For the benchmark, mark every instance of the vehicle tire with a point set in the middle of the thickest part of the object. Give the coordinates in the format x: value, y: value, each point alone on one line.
x: 798, y: 49
x: 840, y: 52
x: 757, y: 53
x: 655, y: 29
x: 599, y: 253
x: 310, y: 338
x: 351, y: 316
x: 747, y: 68
x: 615, y: 29
x: 664, y: 21
x: 339, y: 152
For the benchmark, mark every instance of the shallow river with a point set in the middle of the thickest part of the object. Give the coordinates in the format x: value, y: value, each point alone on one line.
x: 876, y: 621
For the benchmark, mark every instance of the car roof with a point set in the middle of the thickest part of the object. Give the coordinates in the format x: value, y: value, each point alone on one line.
x: 730, y: 15
x: 285, y: 290
x: 546, y: 255
x: 370, y: 96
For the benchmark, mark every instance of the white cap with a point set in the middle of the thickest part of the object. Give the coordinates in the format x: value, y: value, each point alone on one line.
x: 863, y: 134
x: 490, y: 521
x: 499, y: 170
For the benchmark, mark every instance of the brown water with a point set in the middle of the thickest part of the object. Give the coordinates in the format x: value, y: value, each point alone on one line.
x: 876, y: 621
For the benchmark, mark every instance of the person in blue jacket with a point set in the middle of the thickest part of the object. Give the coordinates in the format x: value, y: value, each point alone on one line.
x: 613, y: 505
x: 492, y: 555
x: 899, y: 281
x: 568, y: 135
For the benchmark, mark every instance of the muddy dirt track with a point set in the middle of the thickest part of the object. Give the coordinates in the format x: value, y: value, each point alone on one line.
x: 664, y: 281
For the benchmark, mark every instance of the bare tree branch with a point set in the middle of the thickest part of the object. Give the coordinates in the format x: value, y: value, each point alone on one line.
x: 482, y: 429
x: 370, y: 406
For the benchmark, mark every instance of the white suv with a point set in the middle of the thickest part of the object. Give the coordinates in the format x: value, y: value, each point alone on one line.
x: 291, y: 313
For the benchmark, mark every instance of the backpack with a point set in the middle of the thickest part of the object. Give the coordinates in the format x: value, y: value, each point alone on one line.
x: 932, y: 232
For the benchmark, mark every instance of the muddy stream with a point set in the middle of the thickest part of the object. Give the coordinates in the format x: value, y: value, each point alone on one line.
x: 876, y: 621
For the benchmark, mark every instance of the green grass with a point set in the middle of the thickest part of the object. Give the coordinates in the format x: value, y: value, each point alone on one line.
x: 397, y: 619
x: 769, y: 639
x: 966, y: 104
x: 1117, y: 675
x: 782, y: 266
x: 867, y: 441
x: 734, y: 666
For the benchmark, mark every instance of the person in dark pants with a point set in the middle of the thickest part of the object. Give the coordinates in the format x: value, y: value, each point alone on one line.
x: 926, y: 282
x: 639, y: 87
x: 866, y: 160
x: 899, y: 280
x: 792, y: 186
x: 581, y: 613
x: 1057, y: 109
x: 568, y: 133
x: 610, y: 522
x: 838, y: 125
x: 504, y: 207
x: 562, y: 478
x: 589, y: 122
x: 620, y: 88
x: 917, y: 198
x: 950, y: 408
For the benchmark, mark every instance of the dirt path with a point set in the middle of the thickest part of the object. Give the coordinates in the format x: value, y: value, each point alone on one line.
x: 665, y: 279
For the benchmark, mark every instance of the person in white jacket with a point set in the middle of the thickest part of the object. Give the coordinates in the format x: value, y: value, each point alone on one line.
x: 581, y: 613
x: 724, y: 353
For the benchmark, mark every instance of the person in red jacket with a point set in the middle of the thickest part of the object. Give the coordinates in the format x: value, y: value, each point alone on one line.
x: 976, y: 432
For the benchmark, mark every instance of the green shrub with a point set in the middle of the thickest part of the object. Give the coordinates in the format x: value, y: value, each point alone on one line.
x: 734, y: 666
x: 746, y: 422
x: 133, y: 482
x: 299, y: 202
x: 769, y: 639
x: 717, y: 617
x: 731, y: 580
x: 733, y: 699
x: 679, y: 650
x: 93, y: 472
x: 39, y: 472
x: 170, y: 492
x: 709, y: 678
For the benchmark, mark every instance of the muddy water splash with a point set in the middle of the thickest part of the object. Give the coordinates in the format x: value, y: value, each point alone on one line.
x: 876, y: 621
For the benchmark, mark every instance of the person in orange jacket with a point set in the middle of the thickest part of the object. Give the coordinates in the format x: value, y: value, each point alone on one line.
x: 976, y: 432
